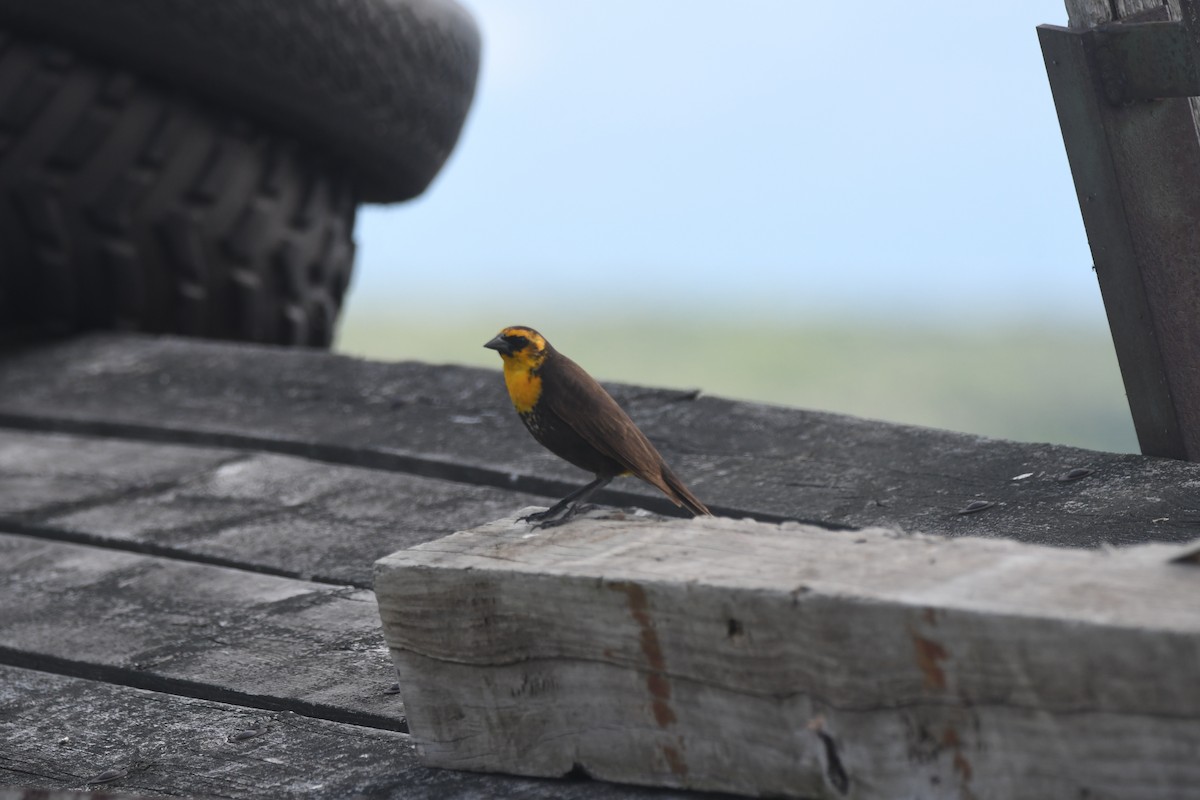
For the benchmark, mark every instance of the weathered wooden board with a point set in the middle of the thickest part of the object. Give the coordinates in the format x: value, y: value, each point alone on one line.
x: 790, y: 660
x: 196, y: 629
x: 1089, y: 13
x: 64, y: 733
x: 278, y: 514
x: 457, y: 424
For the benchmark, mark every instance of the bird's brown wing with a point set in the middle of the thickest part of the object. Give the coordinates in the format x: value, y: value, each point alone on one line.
x: 582, y: 403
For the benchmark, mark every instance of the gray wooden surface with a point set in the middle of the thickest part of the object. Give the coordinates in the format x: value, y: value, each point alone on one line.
x: 68, y: 732
x: 279, y: 514
x: 456, y: 424
x: 794, y: 661
x: 187, y: 524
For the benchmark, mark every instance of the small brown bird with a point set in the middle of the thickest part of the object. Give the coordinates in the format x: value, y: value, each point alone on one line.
x: 572, y: 416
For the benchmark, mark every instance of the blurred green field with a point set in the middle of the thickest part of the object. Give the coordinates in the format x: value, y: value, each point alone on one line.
x: 1033, y: 382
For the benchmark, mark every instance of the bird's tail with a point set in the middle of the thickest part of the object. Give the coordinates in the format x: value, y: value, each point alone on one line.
x: 682, y: 495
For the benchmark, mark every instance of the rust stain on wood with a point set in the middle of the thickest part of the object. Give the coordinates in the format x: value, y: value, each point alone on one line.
x: 660, y: 690
x: 674, y: 760
x: 951, y: 739
x: 929, y: 653
x: 656, y: 679
x: 962, y: 766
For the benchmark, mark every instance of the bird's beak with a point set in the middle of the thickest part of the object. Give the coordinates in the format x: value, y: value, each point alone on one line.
x: 499, y: 345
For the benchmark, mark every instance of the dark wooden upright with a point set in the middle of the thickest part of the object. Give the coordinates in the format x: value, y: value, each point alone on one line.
x: 1121, y: 90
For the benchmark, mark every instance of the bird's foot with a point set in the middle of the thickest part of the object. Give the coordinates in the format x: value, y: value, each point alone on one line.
x: 536, y: 517
x: 544, y: 524
x: 553, y: 517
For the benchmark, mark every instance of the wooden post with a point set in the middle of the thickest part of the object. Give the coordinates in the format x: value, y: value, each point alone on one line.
x: 784, y: 660
x: 1121, y: 78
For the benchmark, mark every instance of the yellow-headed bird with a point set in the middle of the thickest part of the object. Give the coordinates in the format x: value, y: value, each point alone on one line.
x: 573, y: 417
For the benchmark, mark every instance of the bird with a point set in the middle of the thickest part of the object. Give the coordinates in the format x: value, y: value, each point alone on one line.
x: 571, y: 415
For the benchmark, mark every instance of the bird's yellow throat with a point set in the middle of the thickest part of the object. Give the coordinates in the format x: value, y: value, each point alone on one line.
x: 523, y: 382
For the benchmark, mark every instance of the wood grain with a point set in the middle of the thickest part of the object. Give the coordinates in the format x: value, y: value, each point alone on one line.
x: 1089, y: 13
x: 789, y: 660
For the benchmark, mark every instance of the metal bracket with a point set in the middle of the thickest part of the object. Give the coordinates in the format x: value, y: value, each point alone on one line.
x: 1146, y: 61
x: 1148, y: 56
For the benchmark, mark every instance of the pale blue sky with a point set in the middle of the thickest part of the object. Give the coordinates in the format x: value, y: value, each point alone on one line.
x: 783, y: 158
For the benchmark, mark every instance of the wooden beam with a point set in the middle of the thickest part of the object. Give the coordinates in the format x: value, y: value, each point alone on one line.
x: 787, y: 660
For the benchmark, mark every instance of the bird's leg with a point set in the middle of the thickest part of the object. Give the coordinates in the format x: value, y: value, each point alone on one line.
x: 566, y: 508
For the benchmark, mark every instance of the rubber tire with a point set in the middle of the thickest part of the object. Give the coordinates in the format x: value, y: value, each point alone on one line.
x: 124, y: 206
x: 381, y: 85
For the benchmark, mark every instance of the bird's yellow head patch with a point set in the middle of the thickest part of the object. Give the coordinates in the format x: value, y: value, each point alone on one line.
x: 523, y: 351
x: 519, y: 343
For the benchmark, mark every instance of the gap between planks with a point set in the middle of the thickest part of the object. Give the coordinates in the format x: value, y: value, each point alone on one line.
x: 135, y: 679
x: 48, y: 533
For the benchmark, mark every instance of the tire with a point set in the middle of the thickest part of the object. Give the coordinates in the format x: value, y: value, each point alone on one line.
x: 127, y: 206
x: 380, y: 86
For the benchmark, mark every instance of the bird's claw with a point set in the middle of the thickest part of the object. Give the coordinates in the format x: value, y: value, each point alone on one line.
x: 552, y: 518
x: 542, y: 519
x: 548, y: 523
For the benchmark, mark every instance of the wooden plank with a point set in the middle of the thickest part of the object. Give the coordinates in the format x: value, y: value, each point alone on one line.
x: 63, y: 733
x: 277, y: 514
x: 1089, y: 13
x: 44, y: 474
x: 457, y: 424
x: 196, y: 629
x: 788, y: 660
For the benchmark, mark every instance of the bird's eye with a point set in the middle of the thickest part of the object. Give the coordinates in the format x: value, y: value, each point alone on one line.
x: 517, y: 342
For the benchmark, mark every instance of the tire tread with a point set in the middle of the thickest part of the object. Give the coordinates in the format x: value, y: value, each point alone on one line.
x: 128, y: 207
